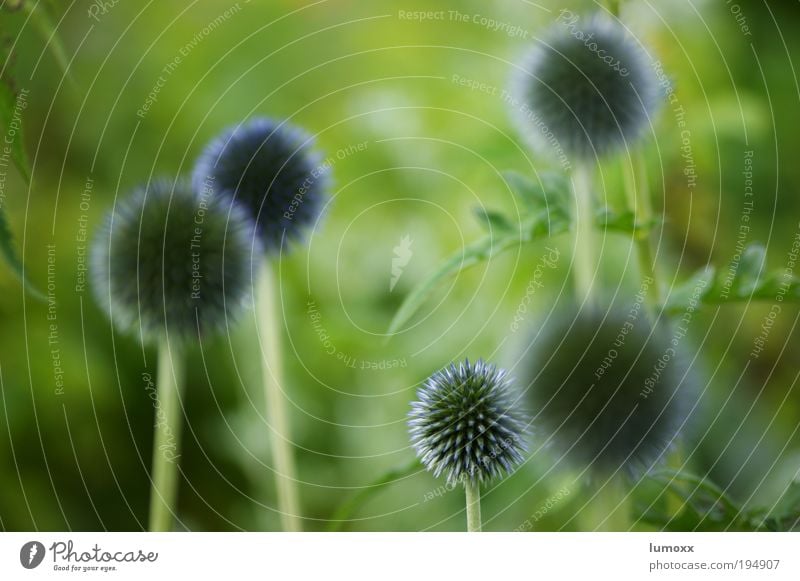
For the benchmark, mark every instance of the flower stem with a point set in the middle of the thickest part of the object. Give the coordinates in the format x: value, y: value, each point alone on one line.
x: 167, y: 437
x: 269, y: 331
x: 583, y: 260
x: 473, y: 491
x: 638, y: 197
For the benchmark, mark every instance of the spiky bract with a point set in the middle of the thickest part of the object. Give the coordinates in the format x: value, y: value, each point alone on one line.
x: 270, y: 167
x: 587, y: 87
x: 467, y: 424
x: 167, y: 259
x: 609, y: 390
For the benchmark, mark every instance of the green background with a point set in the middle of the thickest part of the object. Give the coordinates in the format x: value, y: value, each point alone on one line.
x: 358, y: 73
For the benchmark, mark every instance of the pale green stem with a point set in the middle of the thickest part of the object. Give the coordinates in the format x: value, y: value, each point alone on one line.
x: 167, y: 437
x: 269, y: 329
x: 638, y: 196
x: 583, y: 261
x: 473, y: 491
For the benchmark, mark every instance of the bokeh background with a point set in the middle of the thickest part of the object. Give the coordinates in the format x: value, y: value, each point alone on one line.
x: 414, y: 152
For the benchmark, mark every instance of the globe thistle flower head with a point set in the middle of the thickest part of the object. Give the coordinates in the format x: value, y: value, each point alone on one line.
x: 610, y: 390
x: 466, y: 423
x: 271, y: 169
x: 168, y: 260
x: 587, y: 88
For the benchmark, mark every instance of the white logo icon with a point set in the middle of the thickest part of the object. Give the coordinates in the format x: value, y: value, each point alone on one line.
x: 402, y: 256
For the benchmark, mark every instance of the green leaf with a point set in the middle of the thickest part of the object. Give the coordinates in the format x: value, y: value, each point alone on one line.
x: 473, y: 254
x: 40, y: 18
x: 751, y: 266
x: 493, y: 221
x: 552, y: 189
x: 548, y: 215
x: 624, y: 222
x: 742, y: 280
x: 691, y: 292
x: 536, y: 227
x: 9, y: 252
x: 705, y: 506
x: 348, y: 508
x: 785, y: 515
x: 8, y: 104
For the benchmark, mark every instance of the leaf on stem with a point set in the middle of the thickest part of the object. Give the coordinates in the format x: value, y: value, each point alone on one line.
x: 706, y: 507
x: 349, y: 507
x: 743, y: 280
x: 41, y: 21
x: 546, y: 214
x: 8, y: 106
x: 11, y: 257
x: 623, y: 222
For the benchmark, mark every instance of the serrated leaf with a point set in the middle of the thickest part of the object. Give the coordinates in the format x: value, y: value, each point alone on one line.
x: 548, y: 214
x: 493, y: 221
x: 750, y: 282
x: 692, y: 291
x: 9, y: 252
x: 473, y: 254
x: 8, y: 104
x: 705, y: 507
x: 751, y: 266
x: 551, y: 190
x: 785, y: 515
x: 625, y: 222
x: 536, y: 227
x: 41, y: 20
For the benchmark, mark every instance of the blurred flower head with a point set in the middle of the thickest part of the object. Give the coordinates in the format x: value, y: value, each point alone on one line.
x: 610, y: 390
x: 587, y: 87
x: 466, y: 423
x: 168, y: 260
x: 270, y: 168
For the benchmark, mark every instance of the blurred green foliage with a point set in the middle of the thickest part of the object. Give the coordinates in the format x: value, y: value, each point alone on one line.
x: 414, y: 151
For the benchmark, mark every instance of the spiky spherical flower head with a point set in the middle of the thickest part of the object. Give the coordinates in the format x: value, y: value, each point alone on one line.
x: 170, y: 260
x: 610, y: 391
x: 269, y: 167
x: 587, y: 88
x: 467, y: 423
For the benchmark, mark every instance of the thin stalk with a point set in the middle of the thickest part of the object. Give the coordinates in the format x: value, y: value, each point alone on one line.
x: 473, y: 491
x: 638, y: 196
x: 583, y: 260
x: 269, y: 329
x: 167, y: 437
